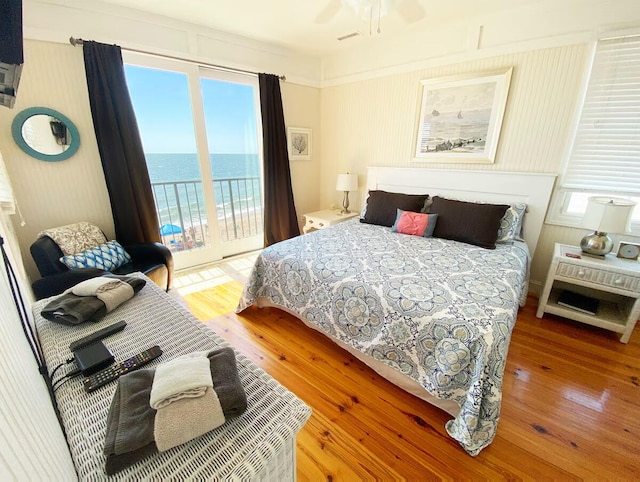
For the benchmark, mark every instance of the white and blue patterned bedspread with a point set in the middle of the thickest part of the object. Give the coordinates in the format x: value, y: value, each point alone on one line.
x: 438, y: 311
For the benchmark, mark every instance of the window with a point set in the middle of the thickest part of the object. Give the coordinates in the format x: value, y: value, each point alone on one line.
x: 201, y: 137
x: 605, y: 157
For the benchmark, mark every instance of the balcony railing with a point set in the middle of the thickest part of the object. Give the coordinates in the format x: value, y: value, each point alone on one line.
x: 183, y: 218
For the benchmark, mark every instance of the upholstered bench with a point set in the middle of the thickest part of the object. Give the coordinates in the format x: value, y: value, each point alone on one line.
x: 260, y: 444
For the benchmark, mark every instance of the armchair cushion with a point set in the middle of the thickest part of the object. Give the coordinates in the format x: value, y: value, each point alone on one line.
x: 107, y: 256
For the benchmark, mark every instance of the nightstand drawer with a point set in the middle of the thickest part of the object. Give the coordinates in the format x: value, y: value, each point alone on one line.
x: 614, y: 280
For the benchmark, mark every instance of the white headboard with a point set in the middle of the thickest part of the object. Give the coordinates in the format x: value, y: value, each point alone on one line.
x: 470, y: 185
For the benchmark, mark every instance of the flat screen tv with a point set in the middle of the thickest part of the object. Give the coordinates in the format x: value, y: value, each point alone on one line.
x: 11, y: 56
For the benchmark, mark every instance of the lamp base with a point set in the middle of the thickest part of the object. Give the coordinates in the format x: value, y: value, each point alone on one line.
x: 345, y: 203
x: 596, y: 244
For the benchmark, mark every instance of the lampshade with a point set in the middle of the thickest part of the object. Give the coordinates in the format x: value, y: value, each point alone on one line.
x: 347, y: 182
x: 608, y: 214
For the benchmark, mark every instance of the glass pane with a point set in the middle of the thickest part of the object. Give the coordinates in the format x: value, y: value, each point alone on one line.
x: 162, y: 105
x: 230, y: 119
x: 578, y: 203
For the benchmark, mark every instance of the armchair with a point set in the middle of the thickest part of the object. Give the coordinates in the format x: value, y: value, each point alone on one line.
x: 153, y: 259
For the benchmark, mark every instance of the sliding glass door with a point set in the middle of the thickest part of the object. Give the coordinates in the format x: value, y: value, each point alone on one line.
x: 200, y: 133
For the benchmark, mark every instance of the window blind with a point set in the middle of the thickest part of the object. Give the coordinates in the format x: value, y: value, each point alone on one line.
x: 606, y: 151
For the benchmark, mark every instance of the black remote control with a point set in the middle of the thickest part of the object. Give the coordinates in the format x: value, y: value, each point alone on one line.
x: 98, y: 335
x: 115, y: 371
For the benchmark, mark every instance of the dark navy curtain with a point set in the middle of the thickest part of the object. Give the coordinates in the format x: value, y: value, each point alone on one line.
x: 123, y: 161
x: 280, y: 219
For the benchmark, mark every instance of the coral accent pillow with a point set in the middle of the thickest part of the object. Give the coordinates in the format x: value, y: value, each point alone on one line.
x: 416, y: 224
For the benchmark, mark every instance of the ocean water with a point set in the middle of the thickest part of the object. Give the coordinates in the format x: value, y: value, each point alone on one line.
x: 450, y: 127
x: 185, y: 167
x: 182, y: 204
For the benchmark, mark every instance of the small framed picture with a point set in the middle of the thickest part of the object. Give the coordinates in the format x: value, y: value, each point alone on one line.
x: 299, y: 143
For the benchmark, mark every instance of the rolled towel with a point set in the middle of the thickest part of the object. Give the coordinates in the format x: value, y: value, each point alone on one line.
x: 184, y: 377
x: 130, y: 422
x: 186, y: 419
x: 226, y: 382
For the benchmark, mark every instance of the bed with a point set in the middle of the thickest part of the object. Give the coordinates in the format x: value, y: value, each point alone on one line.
x: 432, y: 315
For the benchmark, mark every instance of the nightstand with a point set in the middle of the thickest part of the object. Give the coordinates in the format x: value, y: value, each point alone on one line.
x: 323, y: 219
x: 614, y: 282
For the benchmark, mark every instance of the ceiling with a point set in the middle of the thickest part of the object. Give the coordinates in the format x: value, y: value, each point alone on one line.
x: 299, y: 24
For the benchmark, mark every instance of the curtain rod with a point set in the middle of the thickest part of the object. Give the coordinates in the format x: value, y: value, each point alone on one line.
x: 78, y: 41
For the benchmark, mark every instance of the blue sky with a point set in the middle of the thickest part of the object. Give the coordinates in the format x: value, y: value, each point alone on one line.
x: 163, y: 109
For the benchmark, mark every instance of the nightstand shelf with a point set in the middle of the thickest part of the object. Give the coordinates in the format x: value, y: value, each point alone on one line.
x: 615, y: 283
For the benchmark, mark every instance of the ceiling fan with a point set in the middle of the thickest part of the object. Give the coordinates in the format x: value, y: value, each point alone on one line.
x: 410, y: 10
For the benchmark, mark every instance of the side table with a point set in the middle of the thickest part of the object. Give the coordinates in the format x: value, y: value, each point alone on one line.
x: 322, y: 219
x: 614, y: 282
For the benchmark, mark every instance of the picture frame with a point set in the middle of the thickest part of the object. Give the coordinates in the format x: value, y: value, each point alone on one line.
x: 299, y: 143
x: 461, y: 117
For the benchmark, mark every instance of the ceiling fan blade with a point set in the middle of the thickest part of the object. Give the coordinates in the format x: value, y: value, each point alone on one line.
x: 410, y: 10
x: 329, y: 11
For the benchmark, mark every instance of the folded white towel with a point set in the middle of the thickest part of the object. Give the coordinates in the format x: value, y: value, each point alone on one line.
x: 180, y: 378
x: 90, y: 286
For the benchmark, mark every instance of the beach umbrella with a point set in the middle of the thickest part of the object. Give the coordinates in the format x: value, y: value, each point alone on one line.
x: 167, y: 229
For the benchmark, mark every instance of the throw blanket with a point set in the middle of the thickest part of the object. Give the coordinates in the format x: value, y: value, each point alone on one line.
x: 75, y: 238
x: 131, y: 420
x: 71, y: 309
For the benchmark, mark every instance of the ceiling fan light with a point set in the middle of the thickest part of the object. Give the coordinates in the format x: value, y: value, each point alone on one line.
x: 364, y: 8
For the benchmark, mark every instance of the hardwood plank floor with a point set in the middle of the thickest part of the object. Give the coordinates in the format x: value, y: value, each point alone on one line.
x: 570, y: 409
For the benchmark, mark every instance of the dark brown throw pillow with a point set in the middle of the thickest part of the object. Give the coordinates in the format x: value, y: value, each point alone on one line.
x: 382, y: 206
x: 467, y: 222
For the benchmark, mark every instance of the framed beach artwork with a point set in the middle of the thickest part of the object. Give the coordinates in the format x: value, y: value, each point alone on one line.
x: 460, y: 117
x: 299, y: 143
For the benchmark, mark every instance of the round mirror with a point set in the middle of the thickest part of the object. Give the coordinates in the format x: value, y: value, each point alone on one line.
x: 45, y: 134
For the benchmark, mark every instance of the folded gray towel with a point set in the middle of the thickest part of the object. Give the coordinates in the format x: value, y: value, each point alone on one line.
x: 70, y: 309
x: 129, y: 436
x: 226, y: 382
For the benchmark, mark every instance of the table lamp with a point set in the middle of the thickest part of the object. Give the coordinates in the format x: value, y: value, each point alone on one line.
x: 604, y: 215
x: 346, y: 182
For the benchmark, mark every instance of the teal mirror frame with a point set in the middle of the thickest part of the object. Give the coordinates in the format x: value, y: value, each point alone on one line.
x: 21, y: 118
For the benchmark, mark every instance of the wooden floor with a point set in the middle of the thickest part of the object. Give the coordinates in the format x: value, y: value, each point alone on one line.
x: 570, y: 410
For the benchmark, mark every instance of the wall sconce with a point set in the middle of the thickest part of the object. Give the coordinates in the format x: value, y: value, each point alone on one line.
x: 346, y: 182
x: 604, y: 215
x: 59, y: 131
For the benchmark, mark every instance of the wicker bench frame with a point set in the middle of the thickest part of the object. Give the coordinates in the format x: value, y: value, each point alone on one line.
x: 260, y: 444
